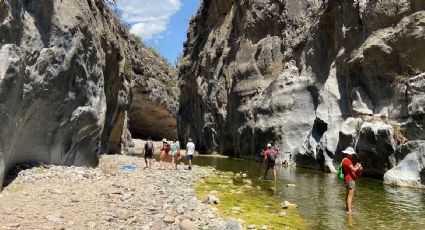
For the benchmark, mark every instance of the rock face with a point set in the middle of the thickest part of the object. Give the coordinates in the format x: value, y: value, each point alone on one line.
x: 67, y: 72
x: 154, y: 95
x: 295, y: 72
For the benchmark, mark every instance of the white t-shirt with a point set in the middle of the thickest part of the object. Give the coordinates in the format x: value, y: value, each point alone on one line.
x: 190, y: 148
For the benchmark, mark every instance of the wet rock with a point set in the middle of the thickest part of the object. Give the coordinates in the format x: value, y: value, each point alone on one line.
x: 251, y: 227
x: 287, y: 204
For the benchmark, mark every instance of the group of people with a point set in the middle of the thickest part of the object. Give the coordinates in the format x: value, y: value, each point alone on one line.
x: 169, y: 149
x: 349, y: 170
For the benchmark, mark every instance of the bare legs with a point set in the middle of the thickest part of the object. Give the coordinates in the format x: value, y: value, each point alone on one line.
x: 349, y: 199
x: 174, y: 161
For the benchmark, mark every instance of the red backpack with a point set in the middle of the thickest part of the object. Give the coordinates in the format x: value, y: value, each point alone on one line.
x: 167, y: 148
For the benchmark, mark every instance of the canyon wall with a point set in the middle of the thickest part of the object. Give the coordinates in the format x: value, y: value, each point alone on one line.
x: 310, y: 76
x: 71, y: 79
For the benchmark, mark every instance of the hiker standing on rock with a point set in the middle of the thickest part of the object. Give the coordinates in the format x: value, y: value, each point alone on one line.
x: 190, y: 152
x: 149, y: 153
x: 350, y: 172
x: 270, y: 156
x: 165, y: 149
x: 175, y: 153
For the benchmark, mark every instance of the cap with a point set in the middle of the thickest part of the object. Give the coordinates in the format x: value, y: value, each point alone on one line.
x: 269, y: 145
x: 164, y: 140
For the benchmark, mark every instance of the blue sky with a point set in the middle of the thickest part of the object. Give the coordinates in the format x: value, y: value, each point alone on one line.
x: 161, y: 24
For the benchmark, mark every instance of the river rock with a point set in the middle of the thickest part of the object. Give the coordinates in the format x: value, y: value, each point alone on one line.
x: 188, y: 225
x: 287, y: 204
x: 233, y: 224
x: 210, y: 199
x: 169, y: 219
x: 282, y: 214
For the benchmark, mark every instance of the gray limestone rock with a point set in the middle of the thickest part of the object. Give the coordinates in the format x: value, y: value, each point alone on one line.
x: 410, y: 172
x: 376, y: 148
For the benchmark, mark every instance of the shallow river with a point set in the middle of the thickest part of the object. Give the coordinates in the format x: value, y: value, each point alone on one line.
x: 320, y: 197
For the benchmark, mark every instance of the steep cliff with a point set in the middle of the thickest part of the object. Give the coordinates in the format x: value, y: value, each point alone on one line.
x: 68, y: 73
x: 311, y: 76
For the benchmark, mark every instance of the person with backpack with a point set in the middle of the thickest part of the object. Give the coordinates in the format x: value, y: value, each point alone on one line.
x: 190, y: 152
x: 270, y: 156
x: 149, y: 149
x: 175, y: 153
x: 350, y: 172
x: 165, y: 149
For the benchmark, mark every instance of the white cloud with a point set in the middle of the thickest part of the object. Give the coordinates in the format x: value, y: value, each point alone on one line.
x: 149, y: 18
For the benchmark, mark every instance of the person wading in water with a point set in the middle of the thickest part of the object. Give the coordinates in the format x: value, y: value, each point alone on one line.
x: 190, y: 151
x: 350, y: 173
x: 270, y: 156
x: 149, y: 153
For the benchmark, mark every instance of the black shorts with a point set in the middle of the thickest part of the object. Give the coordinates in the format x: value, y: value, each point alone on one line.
x: 149, y: 154
x: 271, y: 165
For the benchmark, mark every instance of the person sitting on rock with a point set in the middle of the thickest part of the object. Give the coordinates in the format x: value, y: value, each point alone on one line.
x: 349, y: 176
x: 149, y: 149
x: 270, y: 156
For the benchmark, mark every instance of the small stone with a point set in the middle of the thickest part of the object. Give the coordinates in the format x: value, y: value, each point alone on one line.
x: 290, y: 185
x: 188, y: 225
x: 169, y: 219
x: 282, y: 214
x: 54, y: 218
x: 251, y: 226
x: 264, y: 227
x: 123, y: 214
x: 287, y: 204
x: 211, y: 200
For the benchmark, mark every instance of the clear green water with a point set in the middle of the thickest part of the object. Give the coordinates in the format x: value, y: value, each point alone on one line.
x: 320, y: 197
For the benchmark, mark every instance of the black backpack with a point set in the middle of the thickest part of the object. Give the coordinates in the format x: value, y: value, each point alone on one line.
x: 149, y: 146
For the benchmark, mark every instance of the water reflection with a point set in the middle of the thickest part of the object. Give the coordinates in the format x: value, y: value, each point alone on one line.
x: 320, y: 198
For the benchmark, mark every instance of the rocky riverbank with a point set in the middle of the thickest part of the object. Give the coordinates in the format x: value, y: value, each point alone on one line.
x: 106, y: 197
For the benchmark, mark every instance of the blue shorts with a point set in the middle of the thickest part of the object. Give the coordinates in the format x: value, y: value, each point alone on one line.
x: 189, y: 157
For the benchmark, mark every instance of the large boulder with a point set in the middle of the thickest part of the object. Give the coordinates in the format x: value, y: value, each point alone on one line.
x: 410, y: 172
x: 376, y: 148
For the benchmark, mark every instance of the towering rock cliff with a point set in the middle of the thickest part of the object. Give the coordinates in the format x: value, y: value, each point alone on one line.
x: 311, y: 76
x: 68, y: 74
